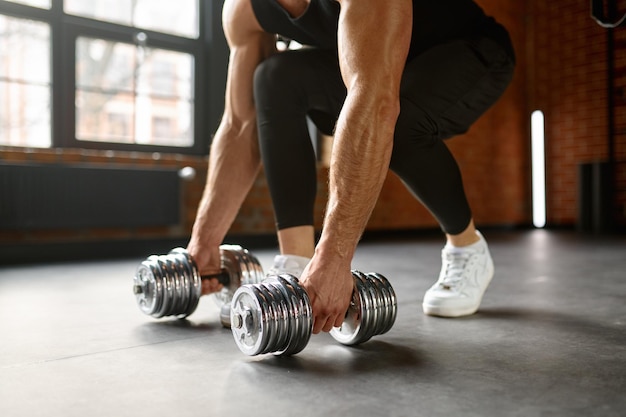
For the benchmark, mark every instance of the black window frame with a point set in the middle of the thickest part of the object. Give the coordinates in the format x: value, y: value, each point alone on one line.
x: 209, y: 50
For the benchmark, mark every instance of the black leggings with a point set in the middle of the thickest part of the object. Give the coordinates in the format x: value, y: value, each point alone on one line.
x: 444, y: 90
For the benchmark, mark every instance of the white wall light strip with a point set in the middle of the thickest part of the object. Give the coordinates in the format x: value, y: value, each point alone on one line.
x: 538, y: 168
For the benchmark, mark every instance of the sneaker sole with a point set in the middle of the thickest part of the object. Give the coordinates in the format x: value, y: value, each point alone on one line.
x: 439, y: 311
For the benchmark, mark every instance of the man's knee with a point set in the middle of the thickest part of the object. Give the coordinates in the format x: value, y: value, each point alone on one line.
x: 275, y: 79
x: 414, y: 128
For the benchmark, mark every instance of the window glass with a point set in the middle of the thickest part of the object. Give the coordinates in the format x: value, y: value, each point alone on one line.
x: 133, y: 94
x: 25, y: 87
x: 44, y: 4
x: 178, y: 17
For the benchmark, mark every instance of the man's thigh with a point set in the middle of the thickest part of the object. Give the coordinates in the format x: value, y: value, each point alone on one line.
x: 453, y: 84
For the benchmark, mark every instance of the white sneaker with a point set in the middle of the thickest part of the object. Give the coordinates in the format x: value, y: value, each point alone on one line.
x: 289, y: 264
x: 465, y: 274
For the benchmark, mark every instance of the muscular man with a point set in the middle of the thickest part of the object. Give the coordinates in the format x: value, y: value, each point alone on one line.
x: 390, y: 80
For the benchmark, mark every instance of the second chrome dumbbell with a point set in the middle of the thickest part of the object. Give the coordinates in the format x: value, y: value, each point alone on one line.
x: 275, y: 316
x: 170, y: 285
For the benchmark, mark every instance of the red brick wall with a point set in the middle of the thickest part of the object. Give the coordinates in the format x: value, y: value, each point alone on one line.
x: 567, y: 80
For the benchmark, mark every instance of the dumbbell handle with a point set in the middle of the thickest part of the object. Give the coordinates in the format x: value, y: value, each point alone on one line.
x: 223, y: 277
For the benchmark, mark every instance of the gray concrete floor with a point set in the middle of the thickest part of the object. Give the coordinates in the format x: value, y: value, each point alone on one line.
x: 549, y: 340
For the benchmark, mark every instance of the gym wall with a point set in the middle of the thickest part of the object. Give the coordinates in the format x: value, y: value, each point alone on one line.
x: 567, y: 79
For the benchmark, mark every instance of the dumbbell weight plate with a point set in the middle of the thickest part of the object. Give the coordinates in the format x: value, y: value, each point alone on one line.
x: 282, y: 318
x: 183, y: 302
x: 158, y: 277
x: 379, y: 293
x: 272, y: 321
x: 301, y: 315
x: 189, y: 270
x: 375, y: 305
x: 247, y: 321
x: 356, y: 316
x: 392, y: 301
x: 148, y: 289
x: 250, y: 267
x: 293, y: 328
x: 168, y: 290
x: 177, y: 284
x: 225, y: 315
x: 306, y: 317
x: 253, y: 271
x: 374, y: 314
x: 366, y: 307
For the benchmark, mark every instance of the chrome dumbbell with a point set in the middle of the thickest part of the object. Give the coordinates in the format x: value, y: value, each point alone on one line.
x: 275, y: 316
x: 170, y: 285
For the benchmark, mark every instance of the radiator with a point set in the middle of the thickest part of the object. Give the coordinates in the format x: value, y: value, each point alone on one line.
x: 44, y: 196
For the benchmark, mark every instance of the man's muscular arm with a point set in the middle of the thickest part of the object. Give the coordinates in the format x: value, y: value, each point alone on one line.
x: 374, y: 38
x: 234, y: 160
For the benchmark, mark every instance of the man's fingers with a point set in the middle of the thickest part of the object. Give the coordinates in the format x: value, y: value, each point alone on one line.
x: 339, y: 320
x: 319, y: 324
x: 326, y: 323
x: 328, y: 326
x: 210, y: 286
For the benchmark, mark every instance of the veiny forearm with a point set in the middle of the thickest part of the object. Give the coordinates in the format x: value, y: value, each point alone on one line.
x: 233, y: 166
x: 234, y: 159
x: 372, y: 62
x: 359, y: 165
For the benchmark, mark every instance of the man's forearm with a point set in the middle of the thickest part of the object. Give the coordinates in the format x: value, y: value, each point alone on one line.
x: 372, y: 62
x: 359, y: 165
x: 233, y: 166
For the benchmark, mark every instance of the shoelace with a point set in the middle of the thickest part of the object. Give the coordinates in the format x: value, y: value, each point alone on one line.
x: 455, y: 264
x: 285, y: 266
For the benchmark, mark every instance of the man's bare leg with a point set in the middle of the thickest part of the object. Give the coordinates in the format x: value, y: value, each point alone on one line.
x: 299, y: 241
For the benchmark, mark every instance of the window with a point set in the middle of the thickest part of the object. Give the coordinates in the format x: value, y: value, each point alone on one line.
x: 115, y: 78
x: 178, y: 17
x: 115, y: 74
x: 37, y: 3
x: 24, y: 82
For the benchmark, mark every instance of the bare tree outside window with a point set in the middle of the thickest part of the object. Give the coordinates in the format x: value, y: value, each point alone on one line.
x: 115, y: 78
